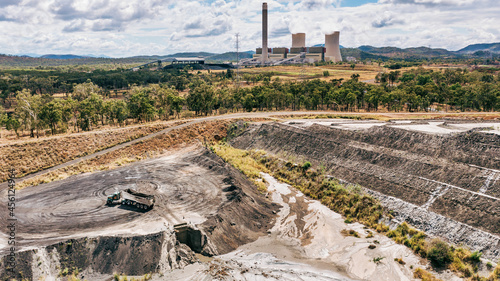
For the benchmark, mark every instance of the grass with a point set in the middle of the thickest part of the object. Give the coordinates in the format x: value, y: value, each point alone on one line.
x: 348, y: 201
x: 294, y: 72
x: 424, y: 275
x: 29, y: 156
x: 495, y: 275
x: 400, y: 261
x: 241, y: 160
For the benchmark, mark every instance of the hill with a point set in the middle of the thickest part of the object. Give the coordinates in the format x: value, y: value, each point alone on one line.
x: 229, y: 56
x: 359, y: 54
x: 418, y: 52
x: 62, y: 57
x: 489, y: 47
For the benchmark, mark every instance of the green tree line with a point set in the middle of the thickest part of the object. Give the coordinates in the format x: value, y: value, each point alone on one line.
x: 88, y: 105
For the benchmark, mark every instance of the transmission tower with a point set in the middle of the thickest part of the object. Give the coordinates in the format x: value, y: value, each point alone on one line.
x: 237, y: 59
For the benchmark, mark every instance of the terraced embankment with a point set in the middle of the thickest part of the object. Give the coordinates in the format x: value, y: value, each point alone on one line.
x: 29, y: 156
x: 446, y: 184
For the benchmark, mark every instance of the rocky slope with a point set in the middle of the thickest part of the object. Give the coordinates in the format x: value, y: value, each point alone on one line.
x: 455, y: 176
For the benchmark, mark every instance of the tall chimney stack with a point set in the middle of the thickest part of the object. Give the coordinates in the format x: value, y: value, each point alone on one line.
x: 264, y: 33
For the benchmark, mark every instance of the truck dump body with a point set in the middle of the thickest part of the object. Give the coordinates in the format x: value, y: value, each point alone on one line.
x: 137, y: 199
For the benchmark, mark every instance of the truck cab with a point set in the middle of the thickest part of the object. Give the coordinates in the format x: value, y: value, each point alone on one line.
x: 113, y: 197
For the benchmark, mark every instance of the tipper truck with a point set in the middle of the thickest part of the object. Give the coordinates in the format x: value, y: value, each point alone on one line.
x: 132, y: 198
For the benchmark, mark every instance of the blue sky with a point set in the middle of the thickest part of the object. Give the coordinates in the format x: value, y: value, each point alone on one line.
x: 120, y: 28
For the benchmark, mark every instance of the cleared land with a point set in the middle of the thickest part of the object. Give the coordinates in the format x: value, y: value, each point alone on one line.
x: 65, y: 225
x: 344, y: 71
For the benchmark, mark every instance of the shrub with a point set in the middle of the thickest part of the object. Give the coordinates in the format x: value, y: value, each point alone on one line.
x: 306, y: 165
x: 400, y: 261
x: 495, y: 275
x: 349, y: 232
x: 424, y: 275
x: 439, y: 253
x: 475, y: 257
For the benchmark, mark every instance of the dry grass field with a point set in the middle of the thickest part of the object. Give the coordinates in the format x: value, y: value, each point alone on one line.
x: 293, y: 72
x: 153, y: 147
x: 32, y: 155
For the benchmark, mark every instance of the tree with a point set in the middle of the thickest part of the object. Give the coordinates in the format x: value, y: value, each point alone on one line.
x: 120, y: 111
x: 86, y: 114
x: 13, y: 123
x: 51, y: 114
x: 3, y: 119
x: 248, y: 102
x: 27, y: 109
x: 176, y: 103
x: 393, y: 76
x: 141, y: 104
x: 201, y: 99
x: 84, y: 90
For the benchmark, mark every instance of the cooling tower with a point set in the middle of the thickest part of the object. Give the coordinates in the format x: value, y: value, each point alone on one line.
x: 298, y: 40
x: 333, y: 47
x: 264, y: 33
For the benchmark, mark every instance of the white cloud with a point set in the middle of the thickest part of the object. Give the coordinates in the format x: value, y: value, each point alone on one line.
x: 135, y: 27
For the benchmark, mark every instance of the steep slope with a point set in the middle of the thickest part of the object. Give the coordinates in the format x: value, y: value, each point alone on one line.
x: 453, y: 177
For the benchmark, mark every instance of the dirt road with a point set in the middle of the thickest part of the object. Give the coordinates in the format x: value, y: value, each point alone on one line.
x: 190, y: 122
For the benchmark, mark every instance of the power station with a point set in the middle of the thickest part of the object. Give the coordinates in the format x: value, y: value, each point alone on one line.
x: 298, y: 53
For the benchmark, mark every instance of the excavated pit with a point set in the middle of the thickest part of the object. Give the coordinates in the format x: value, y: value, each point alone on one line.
x: 447, y: 184
x: 67, y: 225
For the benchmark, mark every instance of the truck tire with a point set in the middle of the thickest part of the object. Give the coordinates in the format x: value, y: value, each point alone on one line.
x: 124, y: 203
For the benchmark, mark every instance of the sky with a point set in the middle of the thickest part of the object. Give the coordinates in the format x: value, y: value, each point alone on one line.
x: 122, y: 28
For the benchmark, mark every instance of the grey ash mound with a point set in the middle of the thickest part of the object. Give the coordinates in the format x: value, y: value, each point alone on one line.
x: 66, y: 224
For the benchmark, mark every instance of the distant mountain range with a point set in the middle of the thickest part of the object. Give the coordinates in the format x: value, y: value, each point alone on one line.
x: 479, y: 50
x: 491, y: 47
x: 64, y: 57
x: 361, y: 53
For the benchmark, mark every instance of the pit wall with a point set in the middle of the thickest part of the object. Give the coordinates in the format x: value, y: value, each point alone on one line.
x: 136, y: 255
x: 453, y: 176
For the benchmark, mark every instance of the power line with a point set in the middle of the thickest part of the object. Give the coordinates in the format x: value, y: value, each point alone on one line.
x: 237, y: 59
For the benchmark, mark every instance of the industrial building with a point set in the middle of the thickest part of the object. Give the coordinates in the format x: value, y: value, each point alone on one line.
x: 298, y: 53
